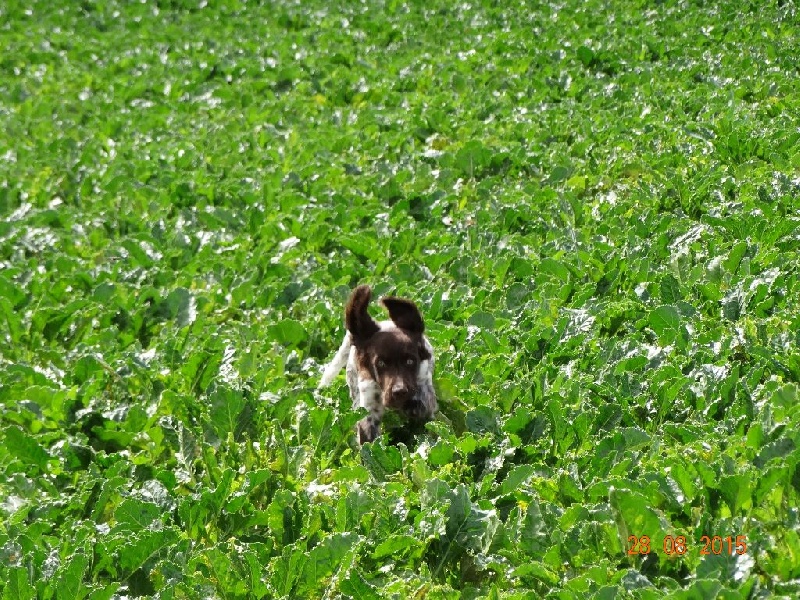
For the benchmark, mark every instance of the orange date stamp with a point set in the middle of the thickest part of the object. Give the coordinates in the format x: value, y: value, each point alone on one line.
x: 678, y: 545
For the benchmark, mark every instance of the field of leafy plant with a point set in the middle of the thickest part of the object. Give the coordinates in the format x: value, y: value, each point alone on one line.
x: 594, y: 204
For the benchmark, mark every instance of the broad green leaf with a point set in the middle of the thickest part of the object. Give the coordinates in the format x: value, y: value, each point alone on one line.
x: 559, y: 174
x: 397, y: 546
x: 230, y: 411
x: 535, y: 570
x: 382, y: 461
x: 355, y: 586
x: 481, y: 420
x: 472, y: 158
x: 482, y: 319
x: 769, y: 482
x: 282, y: 516
x: 286, y: 569
x: 635, y: 517
x: 288, y: 332
x: 18, y: 584
x: 227, y: 574
x: 142, y: 546
x: 778, y: 449
x: 518, y: 476
x: 25, y: 447
x: 252, y: 481
x: 668, y: 326
x: 135, y: 515
x: 324, y: 560
x: 585, y: 55
x: 69, y: 583
x: 517, y: 295
x: 554, y: 267
x: 736, y: 490
x: 361, y: 246
x: 735, y: 257
x: 441, y: 453
x: 179, y: 305
x: 467, y: 525
x: 670, y: 290
x: 11, y: 322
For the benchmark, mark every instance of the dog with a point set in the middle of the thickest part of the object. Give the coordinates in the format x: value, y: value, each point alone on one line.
x: 389, y: 363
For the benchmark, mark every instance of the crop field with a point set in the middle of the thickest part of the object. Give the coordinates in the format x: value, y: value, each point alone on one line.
x: 596, y: 206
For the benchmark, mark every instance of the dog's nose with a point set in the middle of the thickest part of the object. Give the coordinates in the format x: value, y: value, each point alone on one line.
x: 399, y: 390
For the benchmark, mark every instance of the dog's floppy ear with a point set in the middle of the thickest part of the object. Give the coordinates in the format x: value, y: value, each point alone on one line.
x: 405, y: 314
x: 423, y: 353
x: 360, y: 325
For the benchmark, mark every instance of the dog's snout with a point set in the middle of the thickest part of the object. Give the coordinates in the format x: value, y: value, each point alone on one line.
x: 398, y: 394
x: 400, y: 390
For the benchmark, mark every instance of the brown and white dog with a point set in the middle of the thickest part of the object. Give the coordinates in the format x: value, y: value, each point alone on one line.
x: 389, y: 363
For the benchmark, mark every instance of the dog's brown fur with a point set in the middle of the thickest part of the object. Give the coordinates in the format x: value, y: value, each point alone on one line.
x: 390, y: 364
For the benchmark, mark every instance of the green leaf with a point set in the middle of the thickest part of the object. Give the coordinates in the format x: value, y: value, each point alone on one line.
x: 769, y: 482
x: 667, y: 325
x: 482, y: 419
x: 18, y: 585
x: 324, y: 560
x: 285, y: 570
x: 472, y: 158
x: 135, y: 515
x: 736, y: 490
x: 670, y: 289
x: 559, y: 174
x: 25, y: 448
x: 281, y: 517
x: 230, y: 411
x: 735, y: 257
x: 634, y: 516
x: 441, y: 453
x: 69, y: 582
x: 780, y: 448
x: 362, y: 246
x: 315, y: 426
x: 381, y: 461
x: 698, y: 590
x: 288, y: 332
x: 516, y: 295
x: 179, y: 305
x: 518, y: 476
x: 482, y: 319
x: 356, y: 587
x: 467, y: 525
x: 554, y: 267
x: 12, y: 321
x: 397, y: 546
x: 585, y: 55
x: 142, y: 546
x: 536, y: 571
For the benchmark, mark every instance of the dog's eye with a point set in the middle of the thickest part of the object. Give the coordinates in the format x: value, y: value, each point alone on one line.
x: 381, y: 364
x: 410, y: 362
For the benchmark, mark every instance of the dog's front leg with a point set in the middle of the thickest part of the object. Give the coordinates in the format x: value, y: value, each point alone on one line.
x: 369, y: 393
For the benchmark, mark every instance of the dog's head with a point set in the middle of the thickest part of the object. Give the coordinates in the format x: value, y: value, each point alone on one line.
x: 392, y: 353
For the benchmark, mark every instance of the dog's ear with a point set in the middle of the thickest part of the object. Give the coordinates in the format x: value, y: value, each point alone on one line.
x: 423, y: 353
x: 405, y: 314
x: 360, y: 325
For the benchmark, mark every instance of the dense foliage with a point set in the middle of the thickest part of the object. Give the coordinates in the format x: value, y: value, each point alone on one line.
x: 594, y: 204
